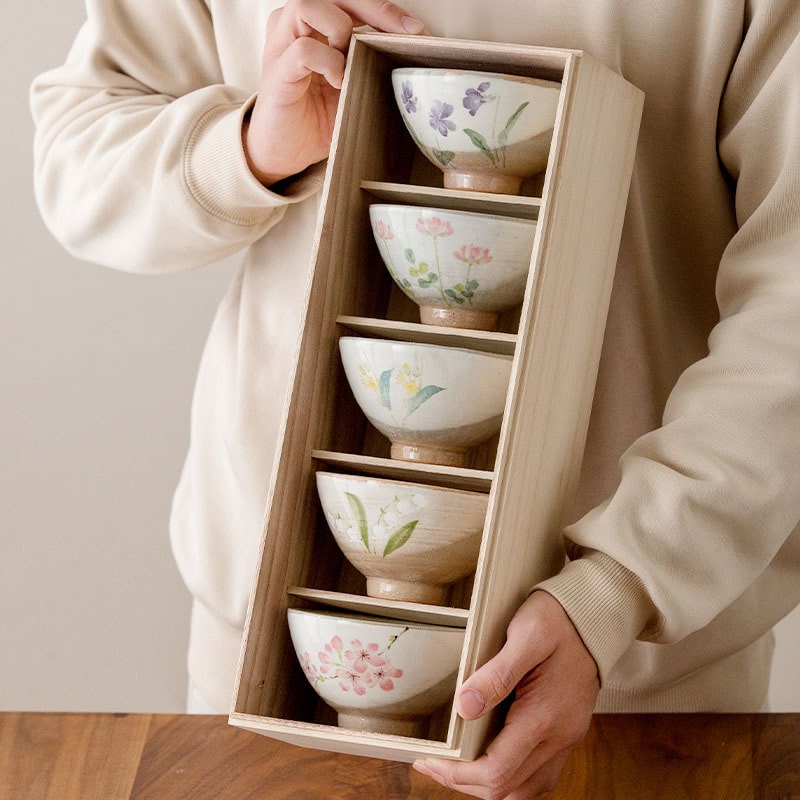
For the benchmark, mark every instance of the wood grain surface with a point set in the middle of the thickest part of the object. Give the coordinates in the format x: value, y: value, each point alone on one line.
x: 174, y: 757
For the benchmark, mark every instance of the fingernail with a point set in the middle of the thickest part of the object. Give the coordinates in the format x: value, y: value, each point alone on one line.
x: 471, y: 704
x: 421, y: 766
x: 412, y: 24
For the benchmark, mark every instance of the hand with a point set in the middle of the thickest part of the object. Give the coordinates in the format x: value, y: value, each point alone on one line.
x: 302, y: 69
x: 556, y: 685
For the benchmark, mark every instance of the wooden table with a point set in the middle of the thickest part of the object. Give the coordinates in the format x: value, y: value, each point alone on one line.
x: 175, y: 757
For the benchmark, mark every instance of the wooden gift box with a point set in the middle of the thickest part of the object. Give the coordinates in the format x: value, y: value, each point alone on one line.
x: 530, y: 470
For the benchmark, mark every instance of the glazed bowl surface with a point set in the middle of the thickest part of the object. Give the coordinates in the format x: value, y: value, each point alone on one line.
x: 380, y: 675
x: 485, y: 131
x: 410, y: 540
x: 434, y: 403
x: 461, y: 268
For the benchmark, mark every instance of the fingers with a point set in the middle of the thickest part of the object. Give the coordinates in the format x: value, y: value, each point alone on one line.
x: 543, y: 780
x: 333, y: 21
x: 555, y: 685
x: 302, y: 59
x: 517, y: 753
x: 383, y: 16
x: 524, y: 650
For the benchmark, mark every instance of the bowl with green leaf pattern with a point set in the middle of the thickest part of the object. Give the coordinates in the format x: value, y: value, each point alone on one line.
x: 433, y: 402
x: 410, y: 540
x: 485, y: 131
x: 461, y: 268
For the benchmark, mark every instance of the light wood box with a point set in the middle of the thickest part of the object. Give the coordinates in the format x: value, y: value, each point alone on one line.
x: 530, y: 470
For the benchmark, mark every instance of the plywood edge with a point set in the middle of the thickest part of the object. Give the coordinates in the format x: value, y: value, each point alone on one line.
x: 457, y: 477
x: 440, y: 50
x: 503, y: 205
x: 392, y: 609
x: 340, y: 740
x: 486, y: 341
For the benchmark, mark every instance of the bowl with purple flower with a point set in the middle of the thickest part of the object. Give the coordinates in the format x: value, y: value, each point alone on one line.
x: 380, y: 675
x: 462, y: 268
x: 485, y: 131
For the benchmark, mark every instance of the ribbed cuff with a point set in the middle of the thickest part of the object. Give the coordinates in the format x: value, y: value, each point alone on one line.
x: 219, y: 179
x: 607, y: 604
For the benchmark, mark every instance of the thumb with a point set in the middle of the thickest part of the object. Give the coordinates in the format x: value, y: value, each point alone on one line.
x: 495, y: 680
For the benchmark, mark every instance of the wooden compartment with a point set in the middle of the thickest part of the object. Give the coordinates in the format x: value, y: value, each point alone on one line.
x: 530, y: 470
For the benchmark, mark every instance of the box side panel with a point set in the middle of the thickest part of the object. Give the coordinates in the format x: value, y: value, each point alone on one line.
x: 558, y: 353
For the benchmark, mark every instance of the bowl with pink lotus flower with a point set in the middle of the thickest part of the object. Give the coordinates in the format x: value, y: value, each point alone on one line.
x: 485, y: 131
x: 461, y: 268
x: 410, y: 540
x: 380, y: 675
x: 433, y: 402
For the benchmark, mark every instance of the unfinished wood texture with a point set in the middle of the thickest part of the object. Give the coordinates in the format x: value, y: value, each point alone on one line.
x: 411, y: 612
x: 66, y: 756
x: 544, y: 62
x: 472, y: 480
x: 530, y: 470
x: 558, y: 352
x: 486, y: 341
x: 504, y: 205
x: 270, y: 677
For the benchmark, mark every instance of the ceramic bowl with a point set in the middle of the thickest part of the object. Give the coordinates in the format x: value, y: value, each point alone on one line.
x: 433, y: 403
x: 379, y: 675
x: 459, y: 267
x: 410, y: 540
x: 485, y: 131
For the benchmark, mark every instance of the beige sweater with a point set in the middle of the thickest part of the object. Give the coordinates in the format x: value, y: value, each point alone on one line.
x: 685, y: 548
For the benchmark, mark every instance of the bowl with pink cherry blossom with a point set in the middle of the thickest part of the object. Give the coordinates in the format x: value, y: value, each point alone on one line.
x: 380, y: 675
x: 485, y: 131
x: 461, y: 268
x: 433, y: 402
x: 410, y: 540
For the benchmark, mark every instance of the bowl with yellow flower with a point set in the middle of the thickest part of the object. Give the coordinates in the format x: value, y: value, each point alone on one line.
x: 433, y: 402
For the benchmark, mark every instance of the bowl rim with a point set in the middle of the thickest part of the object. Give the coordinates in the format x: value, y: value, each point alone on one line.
x: 394, y: 482
x: 426, y: 346
x: 531, y: 223
x: 446, y: 73
x: 386, y: 622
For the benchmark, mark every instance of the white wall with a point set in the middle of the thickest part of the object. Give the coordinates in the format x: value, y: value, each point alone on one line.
x: 97, y: 369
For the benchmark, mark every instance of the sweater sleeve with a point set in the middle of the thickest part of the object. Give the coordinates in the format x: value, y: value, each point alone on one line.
x: 138, y: 159
x: 706, y: 501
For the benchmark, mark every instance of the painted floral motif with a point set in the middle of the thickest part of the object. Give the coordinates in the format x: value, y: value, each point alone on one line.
x: 434, y: 226
x: 425, y: 275
x: 409, y: 377
x: 409, y: 99
x: 438, y: 117
x: 358, y: 668
x: 384, y: 233
x: 492, y: 145
x: 475, y: 98
x: 391, y: 529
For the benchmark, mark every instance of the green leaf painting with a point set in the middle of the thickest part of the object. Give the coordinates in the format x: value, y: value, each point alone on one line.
x: 385, y: 384
x: 422, y: 396
x: 502, y: 139
x: 480, y: 142
x: 444, y: 157
x: 360, y: 514
x: 400, y: 537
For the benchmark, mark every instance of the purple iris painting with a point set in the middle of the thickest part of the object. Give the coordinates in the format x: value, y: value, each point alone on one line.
x: 475, y: 98
x: 438, y: 117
